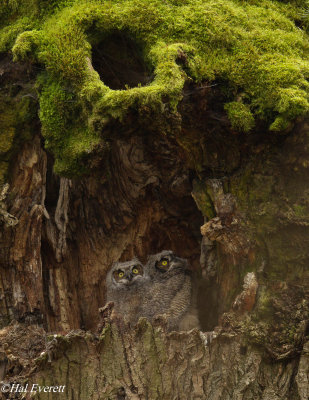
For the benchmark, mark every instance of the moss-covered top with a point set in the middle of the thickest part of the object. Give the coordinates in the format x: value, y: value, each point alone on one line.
x: 257, y: 51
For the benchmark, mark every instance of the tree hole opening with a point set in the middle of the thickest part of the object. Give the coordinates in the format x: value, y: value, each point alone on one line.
x: 178, y: 229
x: 119, y: 61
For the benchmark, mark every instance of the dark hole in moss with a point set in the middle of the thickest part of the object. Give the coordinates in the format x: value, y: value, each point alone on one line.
x: 119, y: 61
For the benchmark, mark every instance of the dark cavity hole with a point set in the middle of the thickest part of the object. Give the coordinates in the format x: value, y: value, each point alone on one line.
x: 179, y: 231
x: 119, y: 61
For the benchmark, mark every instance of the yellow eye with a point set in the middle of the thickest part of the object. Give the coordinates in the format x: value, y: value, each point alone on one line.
x: 164, y: 263
x: 120, y: 274
x: 135, y: 271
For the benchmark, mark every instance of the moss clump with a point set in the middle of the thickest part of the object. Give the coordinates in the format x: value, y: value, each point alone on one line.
x: 252, y: 48
x: 240, y: 116
x: 64, y: 128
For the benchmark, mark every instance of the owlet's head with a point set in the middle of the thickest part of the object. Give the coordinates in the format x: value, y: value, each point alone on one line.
x: 126, y: 274
x: 165, y: 264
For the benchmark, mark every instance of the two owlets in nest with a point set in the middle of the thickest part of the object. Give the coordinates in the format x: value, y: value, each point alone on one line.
x: 161, y: 287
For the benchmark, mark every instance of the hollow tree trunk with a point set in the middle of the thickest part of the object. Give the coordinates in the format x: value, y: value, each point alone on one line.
x: 236, y: 206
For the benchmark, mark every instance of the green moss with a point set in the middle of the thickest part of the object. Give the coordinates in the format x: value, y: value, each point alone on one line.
x: 9, y: 33
x: 16, y: 115
x: 203, y: 199
x: 12, y: 114
x: 64, y: 128
x: 300, y: 211
x: 253, y: 47
x: 240, y: 116
x: 26, y: 45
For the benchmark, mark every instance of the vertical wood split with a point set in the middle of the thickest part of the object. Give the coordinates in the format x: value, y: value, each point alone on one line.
x: 61, y: 217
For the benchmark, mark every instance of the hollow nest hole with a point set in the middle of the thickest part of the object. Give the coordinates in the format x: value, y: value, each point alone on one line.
x: 182, y: 235
x: 120, y: 62
x: 178, y: 229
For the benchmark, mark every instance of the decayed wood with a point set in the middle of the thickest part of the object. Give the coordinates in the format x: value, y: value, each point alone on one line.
x: 21, y: 266
x: 61, y: 217
x: 90, y: 224
x: 5, y: 217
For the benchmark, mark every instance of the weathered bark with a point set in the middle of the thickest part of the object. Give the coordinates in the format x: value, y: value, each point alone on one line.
x: 21, y: 265
x: 149, y: 363
x: 160, y: 183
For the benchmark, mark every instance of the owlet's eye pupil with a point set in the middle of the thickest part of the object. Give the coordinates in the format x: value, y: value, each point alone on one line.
x: 163, y: 264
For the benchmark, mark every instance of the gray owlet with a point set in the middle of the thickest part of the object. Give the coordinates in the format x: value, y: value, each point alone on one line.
x: 125, y: 285
x: 170, y: 291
